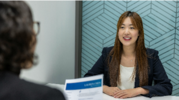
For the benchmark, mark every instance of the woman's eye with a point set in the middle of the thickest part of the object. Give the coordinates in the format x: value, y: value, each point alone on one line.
x: 131, y: 27
x: 122, y: 27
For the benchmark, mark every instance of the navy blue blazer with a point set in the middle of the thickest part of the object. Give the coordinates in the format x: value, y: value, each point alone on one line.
x: 157, y: 74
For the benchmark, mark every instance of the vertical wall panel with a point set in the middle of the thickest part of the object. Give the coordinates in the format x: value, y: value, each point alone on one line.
x: 161, y: 28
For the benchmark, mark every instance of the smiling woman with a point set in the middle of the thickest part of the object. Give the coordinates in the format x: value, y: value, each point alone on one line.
x: 129, y: 68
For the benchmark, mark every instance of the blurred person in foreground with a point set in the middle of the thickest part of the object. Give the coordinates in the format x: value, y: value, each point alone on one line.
x: 17, y: 45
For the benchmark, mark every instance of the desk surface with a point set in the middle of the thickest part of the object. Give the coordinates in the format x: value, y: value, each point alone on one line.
x: 107, y: 97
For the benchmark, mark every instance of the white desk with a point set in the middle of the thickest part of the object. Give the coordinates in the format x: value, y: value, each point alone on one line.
x: 107, y: 97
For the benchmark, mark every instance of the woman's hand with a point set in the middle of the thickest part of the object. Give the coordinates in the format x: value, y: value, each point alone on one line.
x: 110, y: 90
x: 128, y: 93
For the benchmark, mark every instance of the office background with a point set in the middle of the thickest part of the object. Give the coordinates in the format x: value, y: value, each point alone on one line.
x: 161, y: 28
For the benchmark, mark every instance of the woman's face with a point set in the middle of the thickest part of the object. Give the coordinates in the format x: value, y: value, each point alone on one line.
x: 127, y: 33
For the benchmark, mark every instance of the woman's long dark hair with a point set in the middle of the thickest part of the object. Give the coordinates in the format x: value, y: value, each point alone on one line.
x: 141, y: 63
x: 17, y: 38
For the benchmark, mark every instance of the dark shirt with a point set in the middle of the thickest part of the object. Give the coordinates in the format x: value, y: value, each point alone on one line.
x: 14, y: 88
x: 157, y: 74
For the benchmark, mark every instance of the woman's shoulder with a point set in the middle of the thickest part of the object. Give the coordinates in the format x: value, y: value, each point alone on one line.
x: 149, y: 50
x: 29, y: 90
x: 152, y: 52
x: 106, y: 50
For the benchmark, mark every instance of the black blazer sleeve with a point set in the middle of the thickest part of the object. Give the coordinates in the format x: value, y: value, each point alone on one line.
x: 162, y: 85
x: 100, y: 67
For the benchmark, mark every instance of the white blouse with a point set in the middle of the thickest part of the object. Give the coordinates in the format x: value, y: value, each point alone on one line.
x: 126, y: 78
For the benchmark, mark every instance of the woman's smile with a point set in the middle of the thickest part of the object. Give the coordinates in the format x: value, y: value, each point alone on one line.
x: 127, y: 38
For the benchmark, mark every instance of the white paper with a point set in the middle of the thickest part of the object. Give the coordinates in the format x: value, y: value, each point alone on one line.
x: 88, y: 88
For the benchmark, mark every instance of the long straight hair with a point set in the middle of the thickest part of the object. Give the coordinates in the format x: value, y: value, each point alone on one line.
x: 141, y: 62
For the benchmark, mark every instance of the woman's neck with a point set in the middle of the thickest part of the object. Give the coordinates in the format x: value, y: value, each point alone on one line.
x: 129, y: 51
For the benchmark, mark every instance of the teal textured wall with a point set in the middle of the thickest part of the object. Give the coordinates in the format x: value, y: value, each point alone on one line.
x: 161, y: 28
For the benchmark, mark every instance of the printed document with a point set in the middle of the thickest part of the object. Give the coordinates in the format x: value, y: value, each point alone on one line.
x: 88, y: 88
